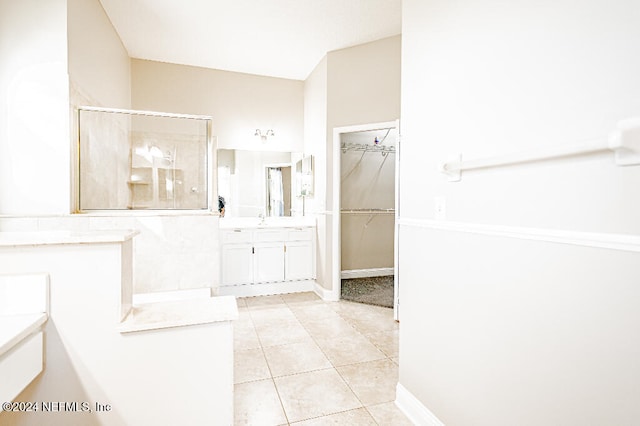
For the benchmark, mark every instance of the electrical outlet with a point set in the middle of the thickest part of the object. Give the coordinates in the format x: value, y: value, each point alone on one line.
x: 440, y: 208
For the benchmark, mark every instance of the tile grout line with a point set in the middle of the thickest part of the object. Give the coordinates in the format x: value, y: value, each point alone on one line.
x: 284, y: 303
x: 354, y: 328
x: 269, y: 368
x: 337, y: 371
x: 340, y: 375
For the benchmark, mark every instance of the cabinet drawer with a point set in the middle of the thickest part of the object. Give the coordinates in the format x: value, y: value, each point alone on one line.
x: 20, y: 366
x: 300, y: 234
x: 236, y: 236
x: 269, y: 235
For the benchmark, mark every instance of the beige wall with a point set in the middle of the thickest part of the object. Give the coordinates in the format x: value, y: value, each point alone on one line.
x: 99, y: 65
x: 509, y: 330
x: 34, y: 99
x: 362, y: 85
x: 239, y: 103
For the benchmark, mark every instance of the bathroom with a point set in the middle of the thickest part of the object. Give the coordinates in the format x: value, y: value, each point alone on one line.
x: 174, y: 249
x: 519, y: 283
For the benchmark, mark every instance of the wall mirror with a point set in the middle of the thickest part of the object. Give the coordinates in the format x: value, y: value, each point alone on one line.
x: 254, y: 183
x: 304, y: 177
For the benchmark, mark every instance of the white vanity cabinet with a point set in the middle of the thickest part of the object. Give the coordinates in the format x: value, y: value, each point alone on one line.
x: 298, y: 250
x: 267, y: 260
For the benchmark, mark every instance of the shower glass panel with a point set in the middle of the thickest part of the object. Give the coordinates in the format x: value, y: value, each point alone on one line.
x: 131, y: 160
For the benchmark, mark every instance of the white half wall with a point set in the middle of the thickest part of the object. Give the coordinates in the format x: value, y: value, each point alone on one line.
x: 34, y: 104
x: 165, y: 376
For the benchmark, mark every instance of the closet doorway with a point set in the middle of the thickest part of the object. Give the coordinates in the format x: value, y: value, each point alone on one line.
x: 365, y: 206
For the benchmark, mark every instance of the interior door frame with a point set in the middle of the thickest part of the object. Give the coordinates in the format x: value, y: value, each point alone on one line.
x: 336, y: 262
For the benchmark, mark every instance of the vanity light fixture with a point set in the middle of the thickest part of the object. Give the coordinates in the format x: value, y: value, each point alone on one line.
x: 263, y: 136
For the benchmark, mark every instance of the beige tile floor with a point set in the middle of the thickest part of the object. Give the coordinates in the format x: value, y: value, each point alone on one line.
x: 302, y: 361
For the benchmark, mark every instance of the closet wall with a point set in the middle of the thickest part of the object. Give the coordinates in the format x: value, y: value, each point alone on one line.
x: 367, y: 182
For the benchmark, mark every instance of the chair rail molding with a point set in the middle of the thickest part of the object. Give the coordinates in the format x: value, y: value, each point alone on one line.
x: 623, y: 242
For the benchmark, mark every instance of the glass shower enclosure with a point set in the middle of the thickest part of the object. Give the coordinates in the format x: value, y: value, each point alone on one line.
x: 132, y: 160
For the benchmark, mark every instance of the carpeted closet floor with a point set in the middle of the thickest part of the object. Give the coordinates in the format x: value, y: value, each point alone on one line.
x: 373, y: 290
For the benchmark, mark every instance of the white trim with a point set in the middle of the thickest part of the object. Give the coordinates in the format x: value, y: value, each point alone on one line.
x: 628, y: 242
x: 411, y: 407
x: 140, y: 112
x: 324, y: 294
x: 366, y: 273
x: 396, y: 228
x: 336, y: 267
x: 265, y: 289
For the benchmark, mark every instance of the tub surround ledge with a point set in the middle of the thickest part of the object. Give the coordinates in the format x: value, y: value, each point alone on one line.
x: 39, y: 238
x: 24, y: 310
x: 179, y: 313
x: 15, y: 328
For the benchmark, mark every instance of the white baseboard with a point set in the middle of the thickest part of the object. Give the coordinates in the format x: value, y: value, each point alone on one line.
x: 265, y: 289
x: 366, y: 273
x: 415, y: 411
x: 324, y: 294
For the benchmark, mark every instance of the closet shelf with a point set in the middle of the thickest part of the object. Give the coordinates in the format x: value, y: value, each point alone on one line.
x: 368, y: 148
x: 367, y: 211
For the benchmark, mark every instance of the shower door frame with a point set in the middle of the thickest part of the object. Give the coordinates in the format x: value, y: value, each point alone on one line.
x: 211, y: 164
x: 336, y: 245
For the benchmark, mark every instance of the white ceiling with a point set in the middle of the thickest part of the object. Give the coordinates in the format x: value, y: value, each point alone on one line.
x: 278, y: 38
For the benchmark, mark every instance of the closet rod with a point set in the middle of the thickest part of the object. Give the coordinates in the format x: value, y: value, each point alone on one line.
x: 368, y: 211
x: 367, y: 148
x: 624, y: 142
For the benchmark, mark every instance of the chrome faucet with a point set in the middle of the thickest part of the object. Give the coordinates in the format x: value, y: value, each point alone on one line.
x: 261, y: 217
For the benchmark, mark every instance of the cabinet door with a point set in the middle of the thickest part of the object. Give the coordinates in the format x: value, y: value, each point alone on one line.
x: 299, y: 261
x: 237, y: 264
x: 269, y: 262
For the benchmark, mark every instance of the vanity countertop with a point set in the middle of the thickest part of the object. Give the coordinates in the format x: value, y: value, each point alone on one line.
x: 270, y: 222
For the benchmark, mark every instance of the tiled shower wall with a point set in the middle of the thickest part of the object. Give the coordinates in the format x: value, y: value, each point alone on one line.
x: 172, y: 251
